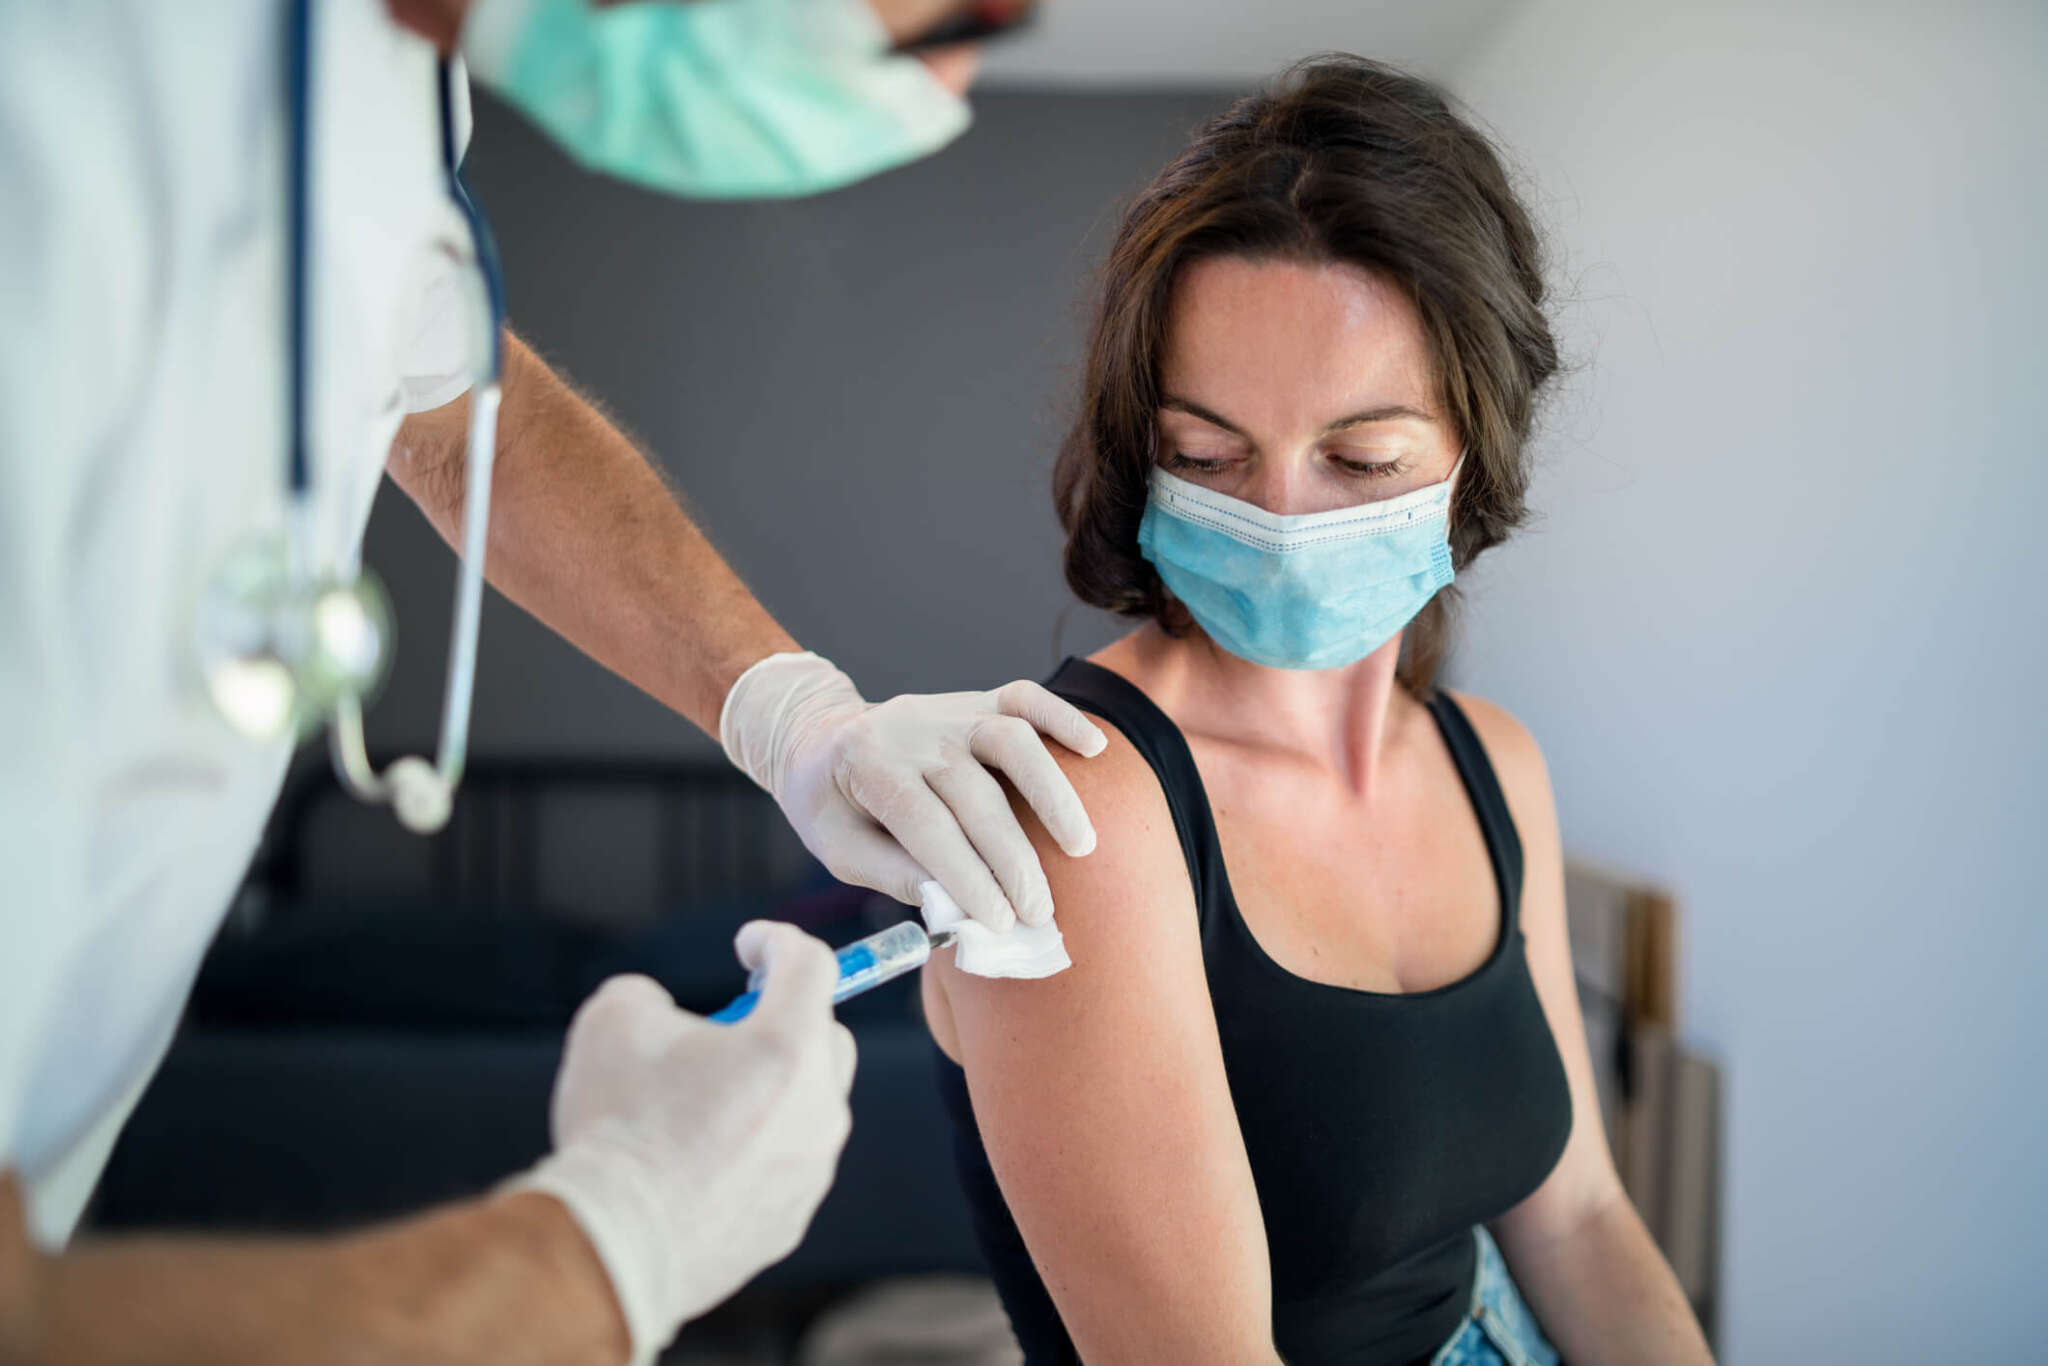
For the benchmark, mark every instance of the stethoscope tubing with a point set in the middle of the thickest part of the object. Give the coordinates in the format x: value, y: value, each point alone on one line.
x: 346, y: 741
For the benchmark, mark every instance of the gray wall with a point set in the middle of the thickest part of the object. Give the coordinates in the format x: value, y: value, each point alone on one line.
x: 860, y: 396
x: 1781, y: 629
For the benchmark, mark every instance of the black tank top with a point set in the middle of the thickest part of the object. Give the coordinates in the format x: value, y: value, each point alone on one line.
x: 1381, y: 1128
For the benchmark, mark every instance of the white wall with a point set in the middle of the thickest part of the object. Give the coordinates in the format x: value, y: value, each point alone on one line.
x: 1781, y: 630
x: 1227, y: 44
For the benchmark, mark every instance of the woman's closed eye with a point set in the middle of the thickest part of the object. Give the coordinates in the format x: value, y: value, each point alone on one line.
x: 1184, y: 463
x: 1370, y: 469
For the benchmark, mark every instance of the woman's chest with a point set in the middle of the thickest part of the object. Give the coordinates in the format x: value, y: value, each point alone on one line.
x: 1394, y: 894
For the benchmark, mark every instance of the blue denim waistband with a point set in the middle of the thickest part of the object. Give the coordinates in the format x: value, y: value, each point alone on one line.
x: 1498, y: 1330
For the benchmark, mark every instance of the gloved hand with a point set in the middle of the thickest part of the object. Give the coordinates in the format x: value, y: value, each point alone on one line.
x: 891, y: 795
x: 694, y: 1154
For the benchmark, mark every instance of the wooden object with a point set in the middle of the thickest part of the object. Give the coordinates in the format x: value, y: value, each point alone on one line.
x: 1661, y: 1104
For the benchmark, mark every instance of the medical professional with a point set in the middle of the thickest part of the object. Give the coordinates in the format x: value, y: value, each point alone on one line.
x: 236, y: 286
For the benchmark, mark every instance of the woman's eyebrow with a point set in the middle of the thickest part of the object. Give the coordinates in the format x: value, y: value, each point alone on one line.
x: 1386, y: 412
x: 1175, y: 403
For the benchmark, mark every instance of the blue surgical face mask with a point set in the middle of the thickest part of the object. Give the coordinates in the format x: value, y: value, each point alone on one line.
x: 715, y: 99
x: 1314, y: 591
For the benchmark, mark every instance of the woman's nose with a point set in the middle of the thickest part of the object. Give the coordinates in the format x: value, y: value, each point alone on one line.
x: 1282, y: 488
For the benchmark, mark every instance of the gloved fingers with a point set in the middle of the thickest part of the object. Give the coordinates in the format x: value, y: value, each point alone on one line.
x: 991, y: 826
x: 799, y: 973
x: 929, y: 832
x: 1053, y: 715
x: 630, y: 1010
x: 844, y: 1056
x: 1013, y: 746
x: 626, y: 1022
x: 854, y: 849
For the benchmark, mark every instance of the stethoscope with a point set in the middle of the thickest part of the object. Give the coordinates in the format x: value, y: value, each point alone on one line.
x: 285, y: 644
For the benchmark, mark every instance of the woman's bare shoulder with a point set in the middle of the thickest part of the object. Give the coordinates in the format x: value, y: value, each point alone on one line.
x: 1126, y: 900
x: 1137, y: 853
x: 1516, y: 757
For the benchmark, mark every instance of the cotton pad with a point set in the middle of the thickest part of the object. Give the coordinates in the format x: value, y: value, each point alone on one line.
x: 1026, y: 951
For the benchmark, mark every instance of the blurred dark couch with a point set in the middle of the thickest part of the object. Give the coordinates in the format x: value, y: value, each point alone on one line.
x: 364, y: 1044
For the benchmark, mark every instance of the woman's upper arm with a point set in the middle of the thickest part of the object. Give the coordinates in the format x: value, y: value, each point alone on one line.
x: 1584, y: 1177
x: 1102, y: 1102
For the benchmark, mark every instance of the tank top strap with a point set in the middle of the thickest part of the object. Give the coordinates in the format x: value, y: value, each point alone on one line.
x: 1496, y: 823
x: 1152, y: 733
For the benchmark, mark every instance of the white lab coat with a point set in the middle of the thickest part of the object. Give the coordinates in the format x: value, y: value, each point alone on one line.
x: 142, y: 361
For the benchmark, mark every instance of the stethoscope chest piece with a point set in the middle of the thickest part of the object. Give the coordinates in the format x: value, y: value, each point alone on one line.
x: 285, y: 644
x: 278, y: 649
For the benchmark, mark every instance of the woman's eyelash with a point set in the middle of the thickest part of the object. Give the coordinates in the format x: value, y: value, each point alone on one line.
x: 1373, y: 469
x: 1364, y: 469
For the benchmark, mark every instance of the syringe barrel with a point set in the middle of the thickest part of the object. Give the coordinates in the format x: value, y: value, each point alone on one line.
x: 863, y: 965
x: 881, y: 957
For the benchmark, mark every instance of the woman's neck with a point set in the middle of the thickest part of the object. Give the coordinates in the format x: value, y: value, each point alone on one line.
x: 1340, y: 720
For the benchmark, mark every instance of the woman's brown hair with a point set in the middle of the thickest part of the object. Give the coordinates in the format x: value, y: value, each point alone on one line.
x: 1346, y: 161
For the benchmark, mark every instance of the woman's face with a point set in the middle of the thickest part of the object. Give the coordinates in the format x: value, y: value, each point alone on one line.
x: 1298, y: 388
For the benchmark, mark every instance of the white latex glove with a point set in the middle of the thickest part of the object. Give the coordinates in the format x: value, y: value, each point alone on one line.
x: 894, y: 794
x: 693, y: 1154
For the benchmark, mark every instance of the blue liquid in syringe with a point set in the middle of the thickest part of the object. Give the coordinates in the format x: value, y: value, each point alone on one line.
x: 863, y: 965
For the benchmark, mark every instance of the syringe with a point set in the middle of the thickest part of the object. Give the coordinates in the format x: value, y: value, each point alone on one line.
x: 863, y: 965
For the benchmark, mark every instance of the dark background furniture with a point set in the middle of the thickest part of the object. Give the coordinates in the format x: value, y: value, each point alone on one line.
x: 378, y: 1026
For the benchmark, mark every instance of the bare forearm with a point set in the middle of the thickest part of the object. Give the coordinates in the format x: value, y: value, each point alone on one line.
x: 1604, y: 1293
x: 506, y: 1280
x: 587, y: 537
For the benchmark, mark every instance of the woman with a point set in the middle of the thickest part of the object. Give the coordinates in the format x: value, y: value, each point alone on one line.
x: 1320, y: 1033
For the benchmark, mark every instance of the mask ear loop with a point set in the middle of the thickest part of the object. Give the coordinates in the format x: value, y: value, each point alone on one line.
x: 1451, y: 499
x: 422, y: 795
